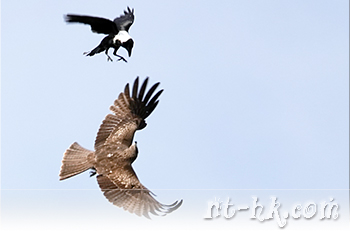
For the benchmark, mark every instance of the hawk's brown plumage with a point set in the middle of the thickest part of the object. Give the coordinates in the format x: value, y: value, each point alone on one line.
x: 114, y: 153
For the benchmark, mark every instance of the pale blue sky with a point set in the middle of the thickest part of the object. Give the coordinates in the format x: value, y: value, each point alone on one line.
x: 256, y: 92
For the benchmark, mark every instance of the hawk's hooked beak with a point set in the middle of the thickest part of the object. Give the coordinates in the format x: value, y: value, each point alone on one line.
x: 142, y: 125
x: 136, y: 149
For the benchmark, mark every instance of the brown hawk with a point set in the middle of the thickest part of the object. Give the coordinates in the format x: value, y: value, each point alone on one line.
x: 114, y: 153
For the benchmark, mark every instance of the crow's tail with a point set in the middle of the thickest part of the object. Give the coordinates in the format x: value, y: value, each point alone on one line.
x: 96, y: 50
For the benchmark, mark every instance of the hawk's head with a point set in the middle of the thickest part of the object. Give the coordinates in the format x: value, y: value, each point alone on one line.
x: 142, y: 125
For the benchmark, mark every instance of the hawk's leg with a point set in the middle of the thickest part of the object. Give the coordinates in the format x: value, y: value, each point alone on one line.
x: 109, y: 58
x: 120, y: 57
x: 92, y: 172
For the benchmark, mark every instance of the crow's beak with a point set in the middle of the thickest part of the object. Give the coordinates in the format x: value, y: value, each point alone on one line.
x: 129, y: 51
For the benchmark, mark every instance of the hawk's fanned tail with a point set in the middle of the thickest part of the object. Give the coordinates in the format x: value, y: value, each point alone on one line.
x: 76, y: 160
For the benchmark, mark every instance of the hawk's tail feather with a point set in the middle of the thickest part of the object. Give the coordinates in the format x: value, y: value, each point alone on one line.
x: 76, y: 160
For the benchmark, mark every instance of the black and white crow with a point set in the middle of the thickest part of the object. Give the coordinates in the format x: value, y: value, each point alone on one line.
x: 116, y: 30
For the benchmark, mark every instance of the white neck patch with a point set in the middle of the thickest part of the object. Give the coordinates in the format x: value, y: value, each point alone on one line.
x: 122, y: 36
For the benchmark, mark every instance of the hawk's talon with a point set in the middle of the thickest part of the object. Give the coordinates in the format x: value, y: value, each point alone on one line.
x: 92, y: 173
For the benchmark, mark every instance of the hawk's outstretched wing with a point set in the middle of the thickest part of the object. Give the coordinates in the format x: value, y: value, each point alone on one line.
x: 118, y: 129
x: 125, y: 21
x: 136, y: 199
x: 115, y: 154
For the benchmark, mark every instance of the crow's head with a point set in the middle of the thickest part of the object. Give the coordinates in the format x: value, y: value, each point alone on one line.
x: 128, y: 45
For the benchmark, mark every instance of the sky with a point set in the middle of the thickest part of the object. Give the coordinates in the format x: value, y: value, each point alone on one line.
x: 256, y: 98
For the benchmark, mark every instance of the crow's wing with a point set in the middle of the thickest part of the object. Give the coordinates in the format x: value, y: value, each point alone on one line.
x: 98, y: 25
x: 124, y: 22
x: 123, y: 189
x: 130, y: 111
